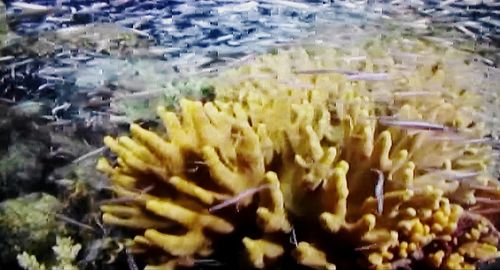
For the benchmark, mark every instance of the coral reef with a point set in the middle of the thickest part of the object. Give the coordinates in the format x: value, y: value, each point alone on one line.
x: 368, y: 148
x: 65, y: 251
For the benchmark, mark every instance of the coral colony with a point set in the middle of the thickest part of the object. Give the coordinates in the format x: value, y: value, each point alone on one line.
x: 334, y: 147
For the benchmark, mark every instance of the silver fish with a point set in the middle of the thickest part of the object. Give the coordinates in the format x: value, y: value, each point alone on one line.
x: 415, y: 124
x: 238, y: 198
x: 351, y: 75
x: 379, y: 190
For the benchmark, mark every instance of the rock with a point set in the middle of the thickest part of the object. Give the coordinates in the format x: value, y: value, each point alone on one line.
x: 7, y: 38
x: 28, y: 223
x: 3, y: 20
x: 21, y: 168
x: 26, y: 110
x: 24, y: 145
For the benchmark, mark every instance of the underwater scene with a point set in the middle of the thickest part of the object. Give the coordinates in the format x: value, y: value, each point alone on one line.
x: 265, y: 134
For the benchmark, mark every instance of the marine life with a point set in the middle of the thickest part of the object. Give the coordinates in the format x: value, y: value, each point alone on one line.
x: 89, y: 154
x: 415, y: 124
x: 237, y: 198
x: 381, y: 152
x: 69, y: 220
x: 311, y: 157
x: 379, y: 191
x: 65, y: 251
x: 351, y: 75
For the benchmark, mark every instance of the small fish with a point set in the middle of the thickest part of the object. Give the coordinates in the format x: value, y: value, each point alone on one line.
x: 244, y: 7
x: 89, y: 154
x: 96, y: 102
x: 466, y: 31
x: 353, y: 58
x: 127, y: 21
x: 27, y: 10
x: 297, y: 85
x: 447, y: 2
x: 401, y: 264
x: 238, y: 198
x: 7, y: 101
x: 21, y: 63
x: 139, y: 95
x: 367, y: 76
x: 132, y: 265
x: 74, y: 222
x: 65, y: 182
x: 487, y: 200
x: 410, y: 94
x: 351, y: 75
x: 60, y: 123
x: 45, y: 85
x: 491, y: 21
x: 52, y: 78
x: 142, y: 20
x: 488, y: 211
x: 93, y: 8
x: 29, y: 6
x: 318, y: 71
x: 415, y: 124
x: 492, y: 189
x: 127, y: 199
x: 117, y: 3
x: 455, y: 174
x: 207, y: 262
x: 136, y: 197
x: 81, y: 58
x: 293, y: 238
x: 146, y: 189
x: 58, y: 19
x: 139, y: 32
x: 463, y: 140
x: 224, y: 38
x: 368, y: 247
x: 421, y: 23
x: 475, y: 25
x: 6, y: 58
x: 379, y: 190
x: 104, y: 92
x: 440, y: 41
x: 57, y: 71
x: 61, y: 107
x: 116, y: 119
x: 291, y: 4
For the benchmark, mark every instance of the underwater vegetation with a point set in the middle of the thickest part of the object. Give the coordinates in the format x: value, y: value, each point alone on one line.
x: 65, y: 251
x: 346, y: 156
x: 26, y: 224
x: 311, y: 150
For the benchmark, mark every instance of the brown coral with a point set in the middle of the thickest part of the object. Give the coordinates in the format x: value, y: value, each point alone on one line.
x: 315, y: 154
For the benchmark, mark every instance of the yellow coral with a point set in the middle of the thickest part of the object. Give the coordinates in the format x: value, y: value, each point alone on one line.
x: 260, y: 249
x: 308, y: 255
x: 316, y: 154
